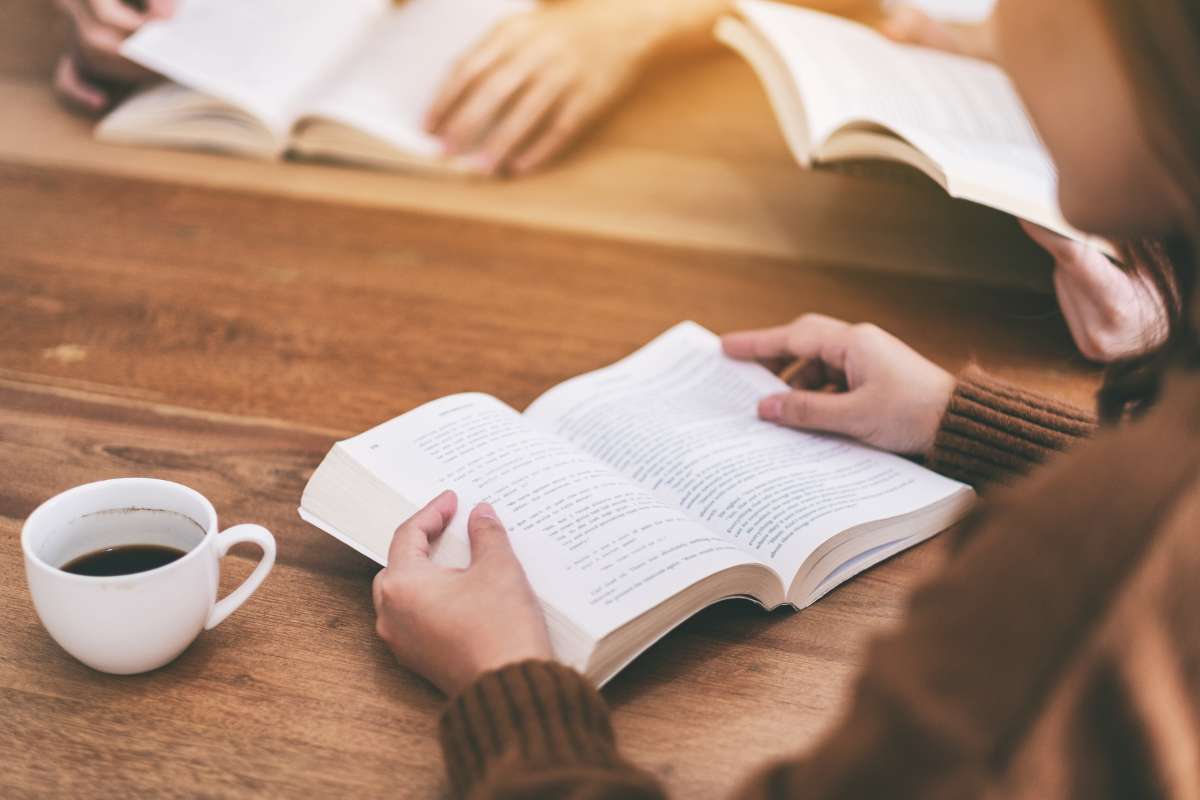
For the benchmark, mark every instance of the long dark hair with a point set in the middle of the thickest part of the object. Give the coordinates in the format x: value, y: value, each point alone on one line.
x: 1160, y: 46
x: 1132, y: 386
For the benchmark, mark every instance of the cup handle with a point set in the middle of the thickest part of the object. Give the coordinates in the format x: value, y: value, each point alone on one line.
x: 227, y: 539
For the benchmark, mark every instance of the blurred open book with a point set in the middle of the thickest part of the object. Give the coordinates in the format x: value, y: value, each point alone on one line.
x: 842, y: 91
x: 349, y: 80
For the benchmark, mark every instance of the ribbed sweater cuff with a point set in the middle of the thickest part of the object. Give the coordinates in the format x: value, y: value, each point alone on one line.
x: 543, y: 713
x: 993, y: 432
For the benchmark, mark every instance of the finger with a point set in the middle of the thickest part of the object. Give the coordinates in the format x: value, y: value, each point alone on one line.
x: 90, y: 32
x: 763, y: 344
x: 520, y: 122
x: 813, y: 336
x: 410, y: 544
x: 116, y: 14
x: 567, y: 122
x: 482, y: 104
x: 489, y: 540
x: 1077, y: 315
x: 470, y: 68
x: 1082, y: 274
x: 1123, y: 320
x: 815, y: 411
x: 75, y: 90
x: 97, y: 49
x: 160, y: 9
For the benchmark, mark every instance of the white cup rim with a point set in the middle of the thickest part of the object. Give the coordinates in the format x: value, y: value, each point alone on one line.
x: 48, y: 507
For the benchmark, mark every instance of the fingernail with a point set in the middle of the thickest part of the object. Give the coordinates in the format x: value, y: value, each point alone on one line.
x: 485, y: 511
x: 771, y: 408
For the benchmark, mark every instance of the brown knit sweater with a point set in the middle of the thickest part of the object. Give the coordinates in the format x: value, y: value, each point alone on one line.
x: 994, y: 433
x: 1056, y: 655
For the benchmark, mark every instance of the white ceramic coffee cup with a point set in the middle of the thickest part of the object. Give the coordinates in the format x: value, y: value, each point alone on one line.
x: 133, y: 623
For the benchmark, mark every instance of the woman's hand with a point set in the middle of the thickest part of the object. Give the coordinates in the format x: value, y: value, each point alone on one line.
x: 92, y: 74
x: 909, y: 25
x: 856, y: 380
x: 453, y: 625
x: 1112, y: 313
x: 533, y: 85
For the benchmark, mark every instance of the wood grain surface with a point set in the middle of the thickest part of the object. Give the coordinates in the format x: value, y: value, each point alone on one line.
x: 224, y: 334
x: 225, y: 340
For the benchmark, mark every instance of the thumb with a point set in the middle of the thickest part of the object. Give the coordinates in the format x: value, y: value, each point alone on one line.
x: 489, y: 539
x: 817, y: 411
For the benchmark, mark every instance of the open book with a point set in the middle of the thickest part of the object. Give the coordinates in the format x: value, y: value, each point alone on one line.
x: 638, y: 494
x: 349, y: 80
x: 841, y: 91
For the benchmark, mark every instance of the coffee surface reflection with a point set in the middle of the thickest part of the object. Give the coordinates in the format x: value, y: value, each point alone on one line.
x: 123, y: 560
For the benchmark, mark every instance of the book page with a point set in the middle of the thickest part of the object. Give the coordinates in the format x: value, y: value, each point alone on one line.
x: 961, y: 112
x: 679, y: 418
x: 387, y: 85
x: 594, y: 544
x: 259, y: 55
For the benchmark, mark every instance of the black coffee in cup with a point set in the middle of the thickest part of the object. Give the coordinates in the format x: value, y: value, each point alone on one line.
x: 122, y: 560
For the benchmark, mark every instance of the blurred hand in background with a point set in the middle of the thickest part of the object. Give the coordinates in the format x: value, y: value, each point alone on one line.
x: 910, y: 25
x: 539, y: 80
x: 1112, y: 312
x: 91, y: 75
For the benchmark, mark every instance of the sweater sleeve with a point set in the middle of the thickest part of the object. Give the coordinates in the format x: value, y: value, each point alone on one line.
x: 993, y: 432
x: 949, y: 703
x: 536, y: 729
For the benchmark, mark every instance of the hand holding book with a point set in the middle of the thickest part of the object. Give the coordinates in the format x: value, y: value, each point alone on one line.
x: 1112, y: 312
x: 855, y: 380
x: 441, y: 622
x: 437, y: 619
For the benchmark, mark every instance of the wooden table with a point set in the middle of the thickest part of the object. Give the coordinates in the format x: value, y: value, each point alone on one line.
x: 193, y: 320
